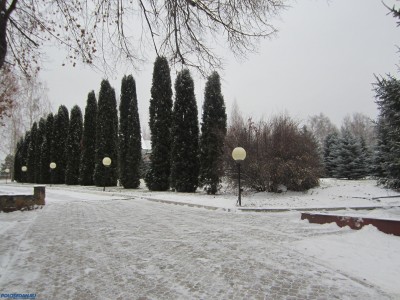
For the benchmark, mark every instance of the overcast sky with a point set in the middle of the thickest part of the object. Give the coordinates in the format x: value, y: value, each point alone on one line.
x: 323, y: 59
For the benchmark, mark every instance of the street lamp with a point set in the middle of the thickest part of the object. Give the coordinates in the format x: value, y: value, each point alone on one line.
x: 24, y: 169
x: 53, y: 165
x: 7, y: 172
x: 106, y: 164
x: 239, y: 154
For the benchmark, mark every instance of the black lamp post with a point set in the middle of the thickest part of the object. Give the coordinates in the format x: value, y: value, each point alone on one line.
x: 53, y: 165
x: 24, y: 169
x: 106, y: 164
x: 239, y: 154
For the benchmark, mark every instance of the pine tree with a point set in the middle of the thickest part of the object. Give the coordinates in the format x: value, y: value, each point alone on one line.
x: 58, y: 147
x: 380, y: 153
x: 24, y: 155
x: 106, y: 136
x: 213, y: 131
x: 39, y: 141
x: 185, y: 135
x: 44, y: 164
x: 157, y: 178
x: 348, y: 158
x: 130, y: 143
x: 365, y: 159
x: 330, y: 145
x: 388, y: 99
x: 17, y: 174
x: 88, y: 141
x: 73, y: 147
x: 45, y: 150
x: 31, y: 157
x: 8, y: 164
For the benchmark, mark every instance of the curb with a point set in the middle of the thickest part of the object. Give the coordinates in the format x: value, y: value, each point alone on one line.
x: 187, y: 204
x: 245, y: 209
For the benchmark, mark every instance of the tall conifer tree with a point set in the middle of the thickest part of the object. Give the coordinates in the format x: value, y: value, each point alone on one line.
x: 31, y: 157
x: 185, y: 136
x: 44, y: 164
x: 348, y: 158
x: 41, y: 133
x: 17, y: 176
x: 213, y: 131
x: 88, y: 141
x: 73, y: 147
x: 24, y: 155
x: 58, y: 147
x: 157, y: 179
x: 388, y: 99
x: 330, y: 146
x: 106, y: 136
x: 130, y: 143
x: 45, y: 150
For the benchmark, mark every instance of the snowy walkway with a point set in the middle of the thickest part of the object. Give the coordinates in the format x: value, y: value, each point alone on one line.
x: 91, y: 246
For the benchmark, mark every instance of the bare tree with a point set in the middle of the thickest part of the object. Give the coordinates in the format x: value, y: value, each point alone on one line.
x: 30, y: 103
x: 103, y: 32
x: 395, y: 11
x: 321, y: 126
x: 8, y: 90
x: 361, y: 126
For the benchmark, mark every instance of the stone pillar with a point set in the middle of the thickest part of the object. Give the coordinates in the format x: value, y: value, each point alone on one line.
x: 39, y: 194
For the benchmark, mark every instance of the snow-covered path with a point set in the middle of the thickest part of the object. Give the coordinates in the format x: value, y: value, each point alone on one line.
x: 91, y: 246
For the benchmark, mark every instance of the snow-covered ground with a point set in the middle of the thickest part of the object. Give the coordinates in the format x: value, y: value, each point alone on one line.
x: 86, y: 243
x: 330, y: 193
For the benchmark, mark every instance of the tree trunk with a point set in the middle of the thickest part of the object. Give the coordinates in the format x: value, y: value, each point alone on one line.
x: 4, y: 16
x: 3, y: 38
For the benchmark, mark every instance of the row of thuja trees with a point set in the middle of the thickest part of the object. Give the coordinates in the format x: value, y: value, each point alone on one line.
x: 181, y: 157
x: 184, y: 155
x: 77, y: 148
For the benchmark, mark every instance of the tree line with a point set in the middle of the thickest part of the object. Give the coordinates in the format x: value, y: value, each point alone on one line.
x: 282, y: 154
x: 181, y: 157
x: 184, y: 155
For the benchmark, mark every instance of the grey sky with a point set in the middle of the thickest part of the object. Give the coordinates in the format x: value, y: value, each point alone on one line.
x: 323, y: 59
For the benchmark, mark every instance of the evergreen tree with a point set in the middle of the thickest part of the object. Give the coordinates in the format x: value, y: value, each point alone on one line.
x: 348, y: 159
x: 41, y: 133
x: 24, y: 155
x: 88, y: 141
x: 157, y: 178
x: 44, y: 164
x: 330, y: 145
x: 45, y: 150
x: 388, y: 100
x: 31, y: 157
x: 213, y: 131
x: 106, y: 136
x: 130, y: 143
x: 73, y: 147
x: 17, y: 176
x: 365, y: 159
x: 8, y: 164
x: 58, y: 147
x: 380, y: 153
x: 185, y: 136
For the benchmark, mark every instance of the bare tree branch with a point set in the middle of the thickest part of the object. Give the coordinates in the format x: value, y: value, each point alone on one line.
x: 106, y: 33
